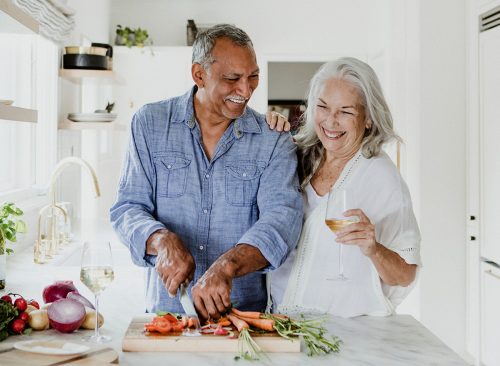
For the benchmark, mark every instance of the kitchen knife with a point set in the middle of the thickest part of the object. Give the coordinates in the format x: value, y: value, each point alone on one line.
x: 187, y: 305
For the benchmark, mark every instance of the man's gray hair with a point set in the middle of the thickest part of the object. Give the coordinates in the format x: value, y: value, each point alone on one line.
x: 362, y: 76
x: 205, y: 42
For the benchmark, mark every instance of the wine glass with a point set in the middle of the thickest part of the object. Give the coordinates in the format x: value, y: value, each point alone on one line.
x: 338, y: 203
x: 96, y: 273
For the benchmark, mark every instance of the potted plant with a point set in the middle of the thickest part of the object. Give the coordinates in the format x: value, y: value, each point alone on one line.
x: 10, y: 225
x: 141, y: 37
x: 124, y: 36
x: 132, y: 37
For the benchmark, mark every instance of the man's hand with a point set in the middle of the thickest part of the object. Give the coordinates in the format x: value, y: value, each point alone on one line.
x: 212, y: 292
x: 174, y: 263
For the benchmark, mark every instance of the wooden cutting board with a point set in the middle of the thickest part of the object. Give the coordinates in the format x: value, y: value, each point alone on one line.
x: 136, y: 340
x: 95, y: 356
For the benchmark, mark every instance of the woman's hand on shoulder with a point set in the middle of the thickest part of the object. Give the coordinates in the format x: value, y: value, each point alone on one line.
x: 277, y: 121
x: 361, y: 233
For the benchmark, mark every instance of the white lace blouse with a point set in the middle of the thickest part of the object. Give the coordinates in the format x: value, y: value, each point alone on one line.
x: 304, y: 282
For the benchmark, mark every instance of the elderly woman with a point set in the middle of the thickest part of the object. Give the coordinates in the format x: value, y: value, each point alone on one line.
x: 340, y: 147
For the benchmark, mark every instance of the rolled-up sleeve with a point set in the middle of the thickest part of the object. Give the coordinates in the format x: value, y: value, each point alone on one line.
x: 132, y: 215
x: 280, y: 206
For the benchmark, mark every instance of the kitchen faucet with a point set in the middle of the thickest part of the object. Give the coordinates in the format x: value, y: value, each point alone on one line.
x: 48, y: 242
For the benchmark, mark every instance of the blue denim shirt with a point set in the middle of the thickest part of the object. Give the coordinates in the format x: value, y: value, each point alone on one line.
x: 248, y: 193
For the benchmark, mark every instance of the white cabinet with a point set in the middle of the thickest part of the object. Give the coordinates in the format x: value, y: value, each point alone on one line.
x: 149, y: 75
x: 489, y: 94
x: 490, y: 315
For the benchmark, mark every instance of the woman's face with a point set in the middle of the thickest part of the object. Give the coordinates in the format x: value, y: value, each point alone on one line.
x: 340, y: 118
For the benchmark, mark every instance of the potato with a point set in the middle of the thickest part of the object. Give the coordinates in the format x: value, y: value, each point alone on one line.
x: 39, y: 320
x: 89, y: 321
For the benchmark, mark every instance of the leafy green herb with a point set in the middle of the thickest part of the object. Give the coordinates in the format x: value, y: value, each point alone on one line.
x: 9, y: 225
x: 312, y: 330
x: 8, y: 312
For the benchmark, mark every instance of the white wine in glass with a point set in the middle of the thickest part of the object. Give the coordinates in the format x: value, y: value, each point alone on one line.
x: 97, y: 273
x: 338, y: 203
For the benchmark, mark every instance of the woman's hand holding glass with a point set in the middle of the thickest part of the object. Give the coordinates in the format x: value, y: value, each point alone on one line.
x: 361, y: 233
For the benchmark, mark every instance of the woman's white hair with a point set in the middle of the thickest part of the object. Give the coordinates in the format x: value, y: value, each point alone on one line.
x: 362, y: 76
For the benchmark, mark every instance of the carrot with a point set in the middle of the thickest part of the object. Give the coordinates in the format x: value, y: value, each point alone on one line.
x: 265, y: 324
x: 247, y: 314
x: 238, y: 323
x: 281, y: 316
x: 224, y: 323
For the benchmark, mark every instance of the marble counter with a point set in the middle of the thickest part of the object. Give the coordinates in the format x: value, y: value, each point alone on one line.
x: 396, y: 340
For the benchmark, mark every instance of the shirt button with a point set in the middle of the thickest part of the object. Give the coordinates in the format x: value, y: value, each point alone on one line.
x: 201, y: 247
x: 223, y: 145
x: 207, y: 176
x: 169, y: 166
x: 205, y: 210
x: 244, y: 174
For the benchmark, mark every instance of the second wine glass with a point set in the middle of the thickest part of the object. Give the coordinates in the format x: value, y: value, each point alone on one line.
x: 97, y: 273
x: 338, y: 202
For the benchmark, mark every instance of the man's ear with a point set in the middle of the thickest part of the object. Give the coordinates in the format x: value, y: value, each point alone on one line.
x: 198, y: 74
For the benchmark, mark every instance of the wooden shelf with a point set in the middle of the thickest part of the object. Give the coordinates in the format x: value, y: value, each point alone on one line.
x: 18, y: 114
x: 66, y: 124
x: 15, y: 20
x: 77, y: 75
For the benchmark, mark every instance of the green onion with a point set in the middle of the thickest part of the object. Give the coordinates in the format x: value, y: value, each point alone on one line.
x: 312, y: 330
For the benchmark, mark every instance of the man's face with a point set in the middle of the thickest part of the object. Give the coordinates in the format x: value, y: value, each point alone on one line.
x: 230, y: 80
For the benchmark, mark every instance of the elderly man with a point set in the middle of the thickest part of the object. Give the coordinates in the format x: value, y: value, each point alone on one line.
x: 209, y: 194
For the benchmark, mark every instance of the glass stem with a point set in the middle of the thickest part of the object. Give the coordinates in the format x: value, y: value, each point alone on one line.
x: 96, y: 333
x: 341, y: 264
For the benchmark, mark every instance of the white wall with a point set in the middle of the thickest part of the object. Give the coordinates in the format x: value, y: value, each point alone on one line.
x: 442, y: 168
x: 289, y: 80
x: 274, y: 26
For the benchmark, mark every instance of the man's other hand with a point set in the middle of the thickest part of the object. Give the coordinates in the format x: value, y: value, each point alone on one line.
x: 174, y: 263
x: 212, y: 292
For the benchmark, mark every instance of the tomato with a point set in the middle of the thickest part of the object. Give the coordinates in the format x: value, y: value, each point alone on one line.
x: 20, y: 304
x: 6, y: 298
x: 17, y: 326
x: 34, y: 303
x: 24, y: 316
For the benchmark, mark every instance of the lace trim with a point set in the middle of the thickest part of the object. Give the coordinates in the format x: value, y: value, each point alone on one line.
x: 349, y: 171
x: 408, y: 250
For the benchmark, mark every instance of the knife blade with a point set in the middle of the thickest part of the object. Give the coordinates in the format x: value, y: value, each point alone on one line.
x: 187, y: 305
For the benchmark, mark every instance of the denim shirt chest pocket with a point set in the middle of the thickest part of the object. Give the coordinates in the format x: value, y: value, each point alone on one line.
x: 172, y: 171
x: 242, y: 182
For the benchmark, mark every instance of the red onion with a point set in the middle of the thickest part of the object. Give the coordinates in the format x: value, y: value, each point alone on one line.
x: 74, y: 295
x: 66, y: 315
x: 58, y: 290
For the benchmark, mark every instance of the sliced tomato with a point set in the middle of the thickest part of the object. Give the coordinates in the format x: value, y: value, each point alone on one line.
x: 170, y: 318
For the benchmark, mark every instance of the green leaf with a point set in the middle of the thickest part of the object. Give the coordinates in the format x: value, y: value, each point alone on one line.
x: 10, y: 236
x: 9, y: 251
x: 21, y: 226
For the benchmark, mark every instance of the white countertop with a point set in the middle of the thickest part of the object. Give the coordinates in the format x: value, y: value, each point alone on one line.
x: 395, y: 340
